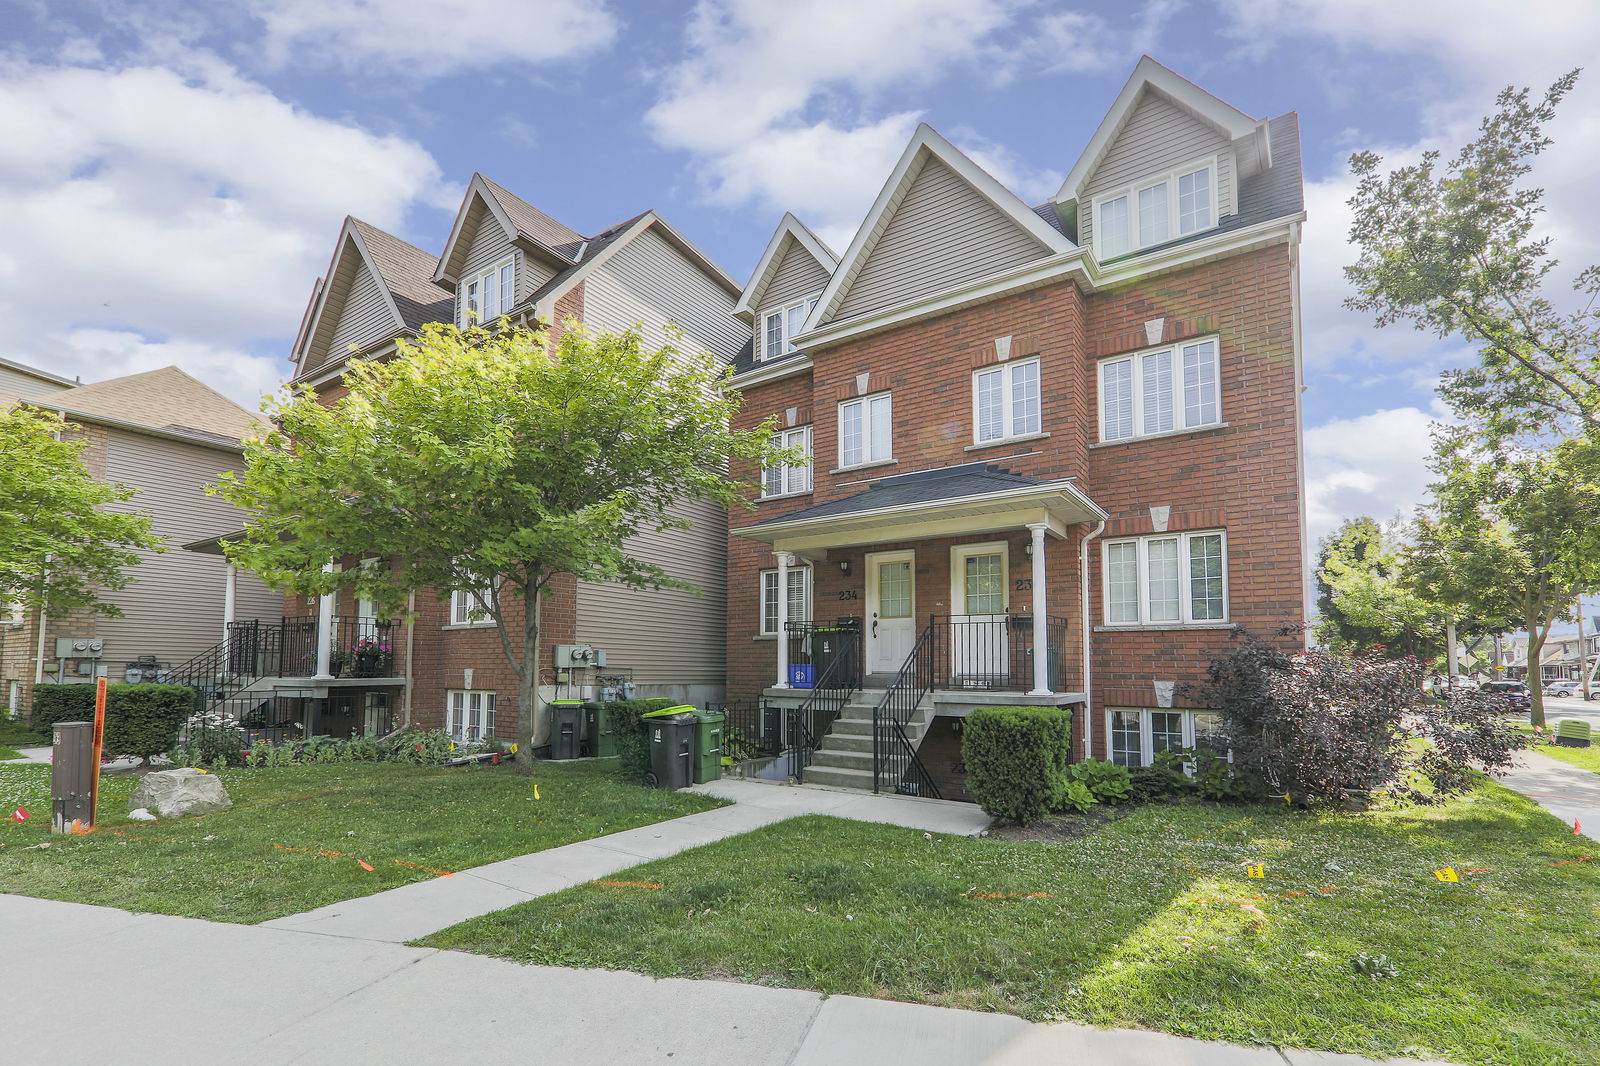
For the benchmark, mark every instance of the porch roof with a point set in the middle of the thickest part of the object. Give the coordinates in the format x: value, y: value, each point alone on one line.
x: 972, y: 498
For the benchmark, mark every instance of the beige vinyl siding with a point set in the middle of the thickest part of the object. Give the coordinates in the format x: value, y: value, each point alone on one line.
x: 942, y: 233
x: 173, y: 610
x: 1157, y: 137
x: 648, y: 280
x: 667, y: 636
x: 365, y: 316
x: 490, y: 246
x: 798, y: 274
x: 16, y: 383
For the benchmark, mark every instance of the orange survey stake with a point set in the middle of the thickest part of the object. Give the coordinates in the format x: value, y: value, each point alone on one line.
x: 96, y: 748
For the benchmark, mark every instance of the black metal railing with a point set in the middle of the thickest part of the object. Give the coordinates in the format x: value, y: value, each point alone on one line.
x: 754, y: 729
x: 360, y: 647
x: 995, y: 652
x: 814, y: 648
x: 894, y: 757
x: 836, y: 659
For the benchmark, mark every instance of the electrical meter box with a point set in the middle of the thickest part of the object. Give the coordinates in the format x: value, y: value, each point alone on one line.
x: 79, y: 647
x: 572, y: 656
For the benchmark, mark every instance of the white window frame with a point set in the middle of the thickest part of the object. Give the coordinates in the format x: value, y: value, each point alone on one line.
x: 473, y: 704
x: 1147, y: 753
x: 786, y: 335
x: 764, y: 593
x: 467, y: 608
x: 1185, y: 585
x: 1180, y: 407
x: 1130, y: 193
x: 869, y: 443
x: 1008, y: 388
x: 790, y: 480
x: 466, y: 314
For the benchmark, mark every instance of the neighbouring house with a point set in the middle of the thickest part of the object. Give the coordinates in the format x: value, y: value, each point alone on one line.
x: 1559, y: 659
x: 168, y: 436
x: 1055, y: 448
x: 331, y: 665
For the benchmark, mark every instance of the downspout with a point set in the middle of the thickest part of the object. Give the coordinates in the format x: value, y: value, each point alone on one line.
x: 38, y: 658
x: 411, y: 677
x: 1299, y: 428
x: 1088, y: 659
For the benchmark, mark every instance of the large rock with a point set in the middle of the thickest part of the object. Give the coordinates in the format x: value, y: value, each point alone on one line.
x: 177, y: 793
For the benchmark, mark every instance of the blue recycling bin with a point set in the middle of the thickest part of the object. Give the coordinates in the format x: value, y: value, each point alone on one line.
x: 802, y: 675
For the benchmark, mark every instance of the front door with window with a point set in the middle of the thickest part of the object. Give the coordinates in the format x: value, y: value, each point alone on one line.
x: 891, y: 610
x: 979, y: 643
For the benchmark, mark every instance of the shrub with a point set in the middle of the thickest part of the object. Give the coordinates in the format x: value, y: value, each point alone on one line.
x: 63, y: 703
x: 1017, y: 760
x: 1164, y: 777
x: 1215, y: 778
x: 1106, y: 781
x: 1077, y: 797
x: 633, y: 736
x: 141, y: 720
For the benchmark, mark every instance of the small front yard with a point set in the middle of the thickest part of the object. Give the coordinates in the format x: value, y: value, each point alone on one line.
x: 297, y: 835
x: 6, y: 754
x: 1584, y: 758
x: 1149, y: 920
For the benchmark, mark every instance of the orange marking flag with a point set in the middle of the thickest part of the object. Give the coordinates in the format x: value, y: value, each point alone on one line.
x: 364, y: 865
x: 429, y: 869
x: 20, y: 815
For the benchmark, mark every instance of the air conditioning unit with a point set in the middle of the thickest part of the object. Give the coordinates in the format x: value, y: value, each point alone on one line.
x: 79, y: 647
x: 577, y: 656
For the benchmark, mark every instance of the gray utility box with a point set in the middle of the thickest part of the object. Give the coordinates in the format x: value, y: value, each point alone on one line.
x: 566, y: 728
x: 71, y: 775
x: 672, y: 750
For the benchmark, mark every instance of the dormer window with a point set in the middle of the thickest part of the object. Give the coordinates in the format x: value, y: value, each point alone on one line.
x: 1173, y: 205
x: 779, y: 325
x: 487, y: 295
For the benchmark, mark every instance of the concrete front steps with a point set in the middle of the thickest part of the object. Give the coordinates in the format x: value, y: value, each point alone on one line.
x: 845, y: 758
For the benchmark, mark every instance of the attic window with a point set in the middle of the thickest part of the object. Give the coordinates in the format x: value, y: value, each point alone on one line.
x: 487, y: 294
x: 1174, y: 205
x: 779, y: 325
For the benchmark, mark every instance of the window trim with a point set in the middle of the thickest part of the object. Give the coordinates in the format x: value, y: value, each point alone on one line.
x: 1132, y: 190
x: 867, y: 458
x: 1185, y: 617
x: 462, y: 320
x: 761, y: 597
x: 786, y: 339
x: 468, y: 617
x: 1147, y: 752
x: 1135, y: 359
x: 485, y: 706
x: 1006, y: 369
x: 789, y: 471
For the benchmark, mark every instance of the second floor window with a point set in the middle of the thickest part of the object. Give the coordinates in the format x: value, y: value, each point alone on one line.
x: 489, y: 294
x: 780, y: 325
x: 1166, y: 579
x: 781, y: 479
x: 1159, y: 391
x: 866, y: 431
x: 1006, y: 401
x: 466, y: 607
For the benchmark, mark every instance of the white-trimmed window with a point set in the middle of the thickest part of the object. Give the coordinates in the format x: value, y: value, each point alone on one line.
x: 1175, y: 204
x: 1163, y: 390
x: 1005, y: 401
x: 781, y: 479
x: 469, y: 715
x: 1166, y: 579
x: 866, y: 430
x: 799, y: 598
x: 12, y: 612
x: 780, y: 325
x: 487, y: 294
x: 466, y: 608
x: 1138, y: 735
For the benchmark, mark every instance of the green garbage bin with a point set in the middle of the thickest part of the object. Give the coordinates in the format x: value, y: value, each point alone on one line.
x: 708, y: 746
x: 598, y: 737
x: 671, y: 732
x: 566, y: 728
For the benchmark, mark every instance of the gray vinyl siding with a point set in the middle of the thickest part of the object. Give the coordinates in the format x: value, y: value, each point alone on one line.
x: 364, y: 318
x: 28, y: 387
x: 1157, y: 137
x: 173, y: 609
x: 650, y: 281
x: 798, y: 274
x: 667, y: 636
x: 490, y: 246
x: 942, y: 233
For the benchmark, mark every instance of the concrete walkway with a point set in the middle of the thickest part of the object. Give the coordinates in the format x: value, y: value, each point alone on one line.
x: 1566, y: 791
x: 147, y: 989
x: 424, y: 907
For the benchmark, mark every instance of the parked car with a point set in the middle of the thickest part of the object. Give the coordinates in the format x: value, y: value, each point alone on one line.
x: 1515, y: 694
x: 1564, y: 689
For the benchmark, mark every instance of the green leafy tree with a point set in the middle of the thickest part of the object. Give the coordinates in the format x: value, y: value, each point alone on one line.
x: 60, y: 548
x: 1454, y: 249
x: 1362, y: 599
x: 491, y: 460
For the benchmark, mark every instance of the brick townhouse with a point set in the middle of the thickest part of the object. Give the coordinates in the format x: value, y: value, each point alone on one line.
x: 1054, y: 450
x: 331, y: 665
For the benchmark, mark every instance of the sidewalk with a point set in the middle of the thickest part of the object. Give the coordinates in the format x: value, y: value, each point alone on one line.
x: 151, y: 990
x: 1566, y: 791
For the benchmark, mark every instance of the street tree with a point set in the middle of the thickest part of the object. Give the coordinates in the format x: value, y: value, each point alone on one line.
x: 497, y: 461
x: 1454, y: 248
x: 63, y: 545
x: 1362, y: 601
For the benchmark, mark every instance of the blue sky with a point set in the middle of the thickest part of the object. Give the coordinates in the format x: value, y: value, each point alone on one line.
x: 175, y: 174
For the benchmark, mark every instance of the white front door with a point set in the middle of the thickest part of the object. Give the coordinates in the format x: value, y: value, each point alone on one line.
x: 979, y: 641
x: 891, y: 610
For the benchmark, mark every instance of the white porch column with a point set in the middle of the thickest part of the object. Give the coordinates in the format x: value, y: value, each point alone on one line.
x: 784, y: 561
x: 325, y: 632
x: 230, y: 595
x: 1041, y: 650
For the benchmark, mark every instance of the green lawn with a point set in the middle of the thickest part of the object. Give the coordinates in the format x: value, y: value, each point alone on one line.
x: 1144, y: 922
x: 267, y: 857
x: 1586, y: 758
x: 9, y: 753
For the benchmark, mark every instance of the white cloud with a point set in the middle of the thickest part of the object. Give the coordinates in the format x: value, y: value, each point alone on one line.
x: 433, y: 39
x: 152, y: 215
x: 1374, y: 464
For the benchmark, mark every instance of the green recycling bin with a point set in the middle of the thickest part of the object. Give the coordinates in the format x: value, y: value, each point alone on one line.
x: 598, y: 736
x: 671, y: 732
x: 708, y: 746
x: 566, y: 728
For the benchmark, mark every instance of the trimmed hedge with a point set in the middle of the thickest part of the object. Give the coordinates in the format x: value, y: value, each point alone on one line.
x: 141, y: 720
x: 633, y: 739
x: 1017, y: 759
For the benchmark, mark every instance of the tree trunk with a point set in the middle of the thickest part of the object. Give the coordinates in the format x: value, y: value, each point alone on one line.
x: 1535, y: 682
x: 528, y: 679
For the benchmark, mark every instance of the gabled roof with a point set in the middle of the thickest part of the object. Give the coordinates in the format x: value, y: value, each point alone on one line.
x: 44, y: 377
x: 927, y: 145
x: 404, y: 273
x: 166, y: 399
x: 407, y: 272
x: 1150, y: 76
x: 484, y: 201
x: 790, y: 236
x: 593, y: 251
